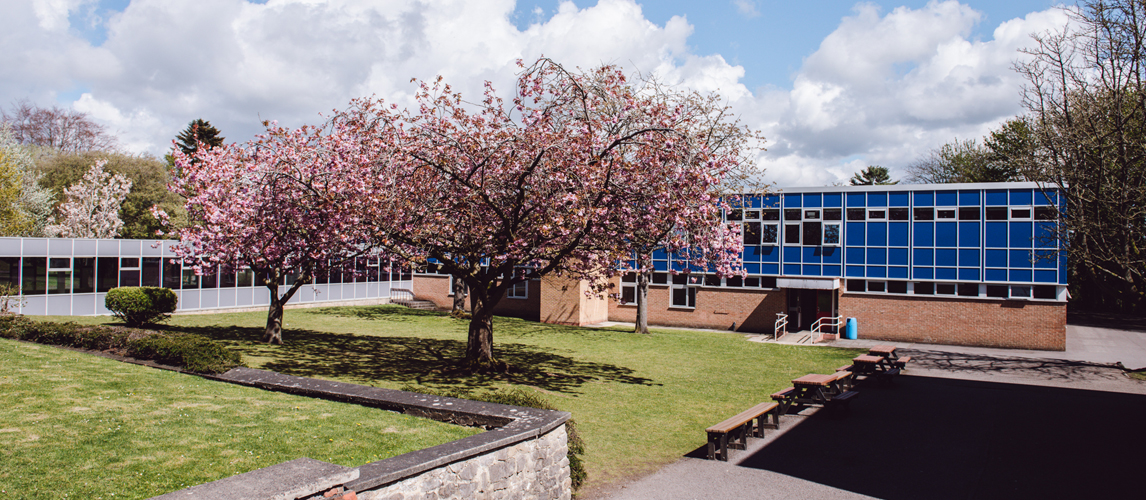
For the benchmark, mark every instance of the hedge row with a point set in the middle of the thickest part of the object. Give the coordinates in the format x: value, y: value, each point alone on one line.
x: 192, y: 352
x: 519, y: 397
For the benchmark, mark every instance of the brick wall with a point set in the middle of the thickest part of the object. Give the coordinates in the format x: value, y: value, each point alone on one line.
x: 742, y: 310
x: 437, y: 289
x: 935, y: 320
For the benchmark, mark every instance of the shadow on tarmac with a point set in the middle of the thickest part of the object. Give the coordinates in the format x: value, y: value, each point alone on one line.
x: 943, y: 438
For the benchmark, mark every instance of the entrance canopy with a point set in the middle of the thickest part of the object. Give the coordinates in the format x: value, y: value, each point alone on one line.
x: 808, y: 283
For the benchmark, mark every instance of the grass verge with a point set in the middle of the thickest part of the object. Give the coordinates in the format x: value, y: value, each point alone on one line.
x: 73, y: 425
x: 640, y: 401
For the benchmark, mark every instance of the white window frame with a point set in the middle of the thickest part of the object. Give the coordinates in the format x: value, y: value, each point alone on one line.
x: 954, y: 214
x: 518, y: 291
x: 824, y: 234
x: 870, y: 213
x: 691, y: 288
x: 631, y: 287
x: 775, y: 225
x: 1030, y: 213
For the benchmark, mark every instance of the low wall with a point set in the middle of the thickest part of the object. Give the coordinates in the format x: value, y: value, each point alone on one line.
x: 522, y: 454
x: 737, y: 309
x: 955, y: 321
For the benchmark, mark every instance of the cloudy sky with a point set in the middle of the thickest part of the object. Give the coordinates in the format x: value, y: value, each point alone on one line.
x: 833, y: 85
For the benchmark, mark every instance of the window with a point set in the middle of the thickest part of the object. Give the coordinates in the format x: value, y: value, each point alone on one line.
x: 944, y: 213
x: 831, y: 234
x: 924, y: 288
x: 792, y: 214
x: 968, y: 213
x: 107, y: 273
x: 770, y: 214
x: 190, y: 280
x: 1021, y: 292
x: 876, y: 214
x: 812, y: 214
x: 769, y: 234
x: 129, y: 271
x: 832, y: 214
x: 751, y: 233
x: 1021, y: 213
x: 628, y: 288
x: 792, y: 234
x: 856, y: 285
x: 767, y: 282
x: 1045, y: 213
x: 518, y: 290
x: 660, y: 278
x: 734, y: 216
x: 945, y: 288
x: 734, y: 281
x: 683, y: 291
x: 59, y: 275
x: 812, y: 234
x: 151, y: 271
x: 968, y: 289
x: 751, y: 215
x: 896, y: 287
x: 84, y: 277
x: 997, y: 291
x: 996, y: 213
x: 899, y: 213
x: 856, y: 214
x: 1047, y: 292
x: 924, y: 214
x: 711, y: 280
x: 875, y: 286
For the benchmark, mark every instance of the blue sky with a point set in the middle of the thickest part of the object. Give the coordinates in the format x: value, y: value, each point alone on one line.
x: 833, y: 85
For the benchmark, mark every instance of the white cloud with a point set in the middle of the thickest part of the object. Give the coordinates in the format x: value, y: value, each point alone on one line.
x: 881, y: 89
x: 746, y: 7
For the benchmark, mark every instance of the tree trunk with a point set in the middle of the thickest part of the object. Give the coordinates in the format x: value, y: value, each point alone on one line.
x: 479, y: 345
x: 274, y: 332
x: 459, y: 288
x: 643, y: 302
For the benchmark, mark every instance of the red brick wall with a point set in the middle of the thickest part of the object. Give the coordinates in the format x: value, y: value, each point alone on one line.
x: 437, y: 289
x: 716, y: 308
x: 954, y: 321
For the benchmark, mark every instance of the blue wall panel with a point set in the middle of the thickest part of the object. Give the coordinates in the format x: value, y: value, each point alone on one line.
x: 832, y: 270
x: 996, y: 275
x: 877, y: 199
x: 923, y: 257
x: 968, y: 198
x: 923, y: 273
x: 996, y: 197
x: 855, y: 256
x: 1045, y: 259
x: 946, y: 199
x: 771, y: 201
x: 811, y: 255
x: 1021, y: 197
x: 996, y: 258
x: 946, y: 234
x: 1045, y: 235
x: 924, y: 199
x: 1021, y: 258
x: 968, y: 274
x: 791, y: 201
x: 791, y: 254
x: 969, y: 234
x: 770, y: 269
x: 897, y: 256
x: 1021, y: 235
x: 923, y: 234
x: 811, y: 270
x: 996, y: 235
x: 832, y: 200
x: 812, y: 200
x: 855, y: 271
x: 897, y: 234
x: 877, y: 234
x: 946, y: 273
x: 897, y: 272
x: 855, y: 234
x: 1020, y: 275
x: 877, y: 256
x: 792, y: 269
x: 899, y: 199
x: 856, y: 200
x: 1045, y: 276
x: 752, y: 268
x: 968, y: 258
x: 769, y: 254
x: 876, y: 272
x: 832, y: 255
x: 946, y: 257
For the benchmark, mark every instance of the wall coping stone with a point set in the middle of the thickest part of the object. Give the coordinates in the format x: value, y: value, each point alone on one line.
x: 506, y: 425
x: 286, y: 481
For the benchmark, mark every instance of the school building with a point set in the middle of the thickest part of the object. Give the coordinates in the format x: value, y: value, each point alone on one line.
x: 965, y: 264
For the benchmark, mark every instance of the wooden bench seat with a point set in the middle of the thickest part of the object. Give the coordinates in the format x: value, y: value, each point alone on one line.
x: 901, y: 362
x: 739, y: 428
x: 845, y: 368
x: 842, y: 401
x: 784, y: 394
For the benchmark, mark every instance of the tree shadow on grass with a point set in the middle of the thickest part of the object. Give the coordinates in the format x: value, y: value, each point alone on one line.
x: 412, y: 360
x: 374, y: 313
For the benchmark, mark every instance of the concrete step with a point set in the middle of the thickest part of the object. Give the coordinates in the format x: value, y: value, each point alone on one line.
x: 424, y: 305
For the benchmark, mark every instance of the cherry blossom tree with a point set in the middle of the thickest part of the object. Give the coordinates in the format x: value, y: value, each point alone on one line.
x: 283, y: 205
x: 91, y: 206
x: 559, y: 180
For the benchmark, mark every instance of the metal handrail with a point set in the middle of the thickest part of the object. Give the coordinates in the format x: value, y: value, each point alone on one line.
x: 832, y: 321
x: 397, y: 294
x: 781, y: 324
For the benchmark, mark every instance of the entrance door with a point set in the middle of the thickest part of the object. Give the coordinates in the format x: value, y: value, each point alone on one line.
x: 802, y: 308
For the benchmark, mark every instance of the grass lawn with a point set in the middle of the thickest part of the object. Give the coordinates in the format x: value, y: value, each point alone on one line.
x: 74, y: 425
x: 640, y: 401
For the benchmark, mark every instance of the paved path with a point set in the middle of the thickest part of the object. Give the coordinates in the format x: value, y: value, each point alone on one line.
x: 961, y: 423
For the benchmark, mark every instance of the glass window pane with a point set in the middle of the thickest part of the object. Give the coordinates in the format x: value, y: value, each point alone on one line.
x: 152, y: 271
x: 924, y: 214
x: 172, y: 273
x: 245, y: 278
x: 60, y: 281
x: 771, y: 214
x: 35, y: 275
x: 969, y: 213
x: 768, y: 234
x: 751, y: 233
x: 10, y: 271
x: 831, y: 234
x: 899, y: 213
x: 107, y: 273
x: 129, y: 277
x: 856, y: 214
x: 83, y: 275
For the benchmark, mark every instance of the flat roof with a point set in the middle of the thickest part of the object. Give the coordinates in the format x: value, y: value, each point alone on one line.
x: 918, y: 187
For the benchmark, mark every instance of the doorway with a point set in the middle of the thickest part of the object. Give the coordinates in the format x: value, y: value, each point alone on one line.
x: 806, y: 306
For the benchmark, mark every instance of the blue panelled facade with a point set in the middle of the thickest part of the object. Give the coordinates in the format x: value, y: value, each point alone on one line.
x: 997, y: 240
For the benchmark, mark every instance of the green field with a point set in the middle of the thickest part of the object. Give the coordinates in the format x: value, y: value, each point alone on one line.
x: 640, y: 401
x: 75, y: 425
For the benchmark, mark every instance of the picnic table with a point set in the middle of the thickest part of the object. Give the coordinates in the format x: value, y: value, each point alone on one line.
x: 888, y: 352
x: 817, y: 389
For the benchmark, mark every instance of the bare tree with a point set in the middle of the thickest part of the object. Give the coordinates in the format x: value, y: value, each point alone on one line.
x: 1087, y: 108
x: 58, y: 128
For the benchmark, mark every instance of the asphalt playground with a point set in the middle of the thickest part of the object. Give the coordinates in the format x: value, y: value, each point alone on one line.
x: 959, y: 423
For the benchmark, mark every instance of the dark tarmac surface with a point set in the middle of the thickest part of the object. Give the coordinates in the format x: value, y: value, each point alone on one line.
x: 955, y: 425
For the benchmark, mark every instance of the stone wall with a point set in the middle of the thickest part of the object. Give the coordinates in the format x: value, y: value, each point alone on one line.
x: 955, y: 321
x: 534, y: 469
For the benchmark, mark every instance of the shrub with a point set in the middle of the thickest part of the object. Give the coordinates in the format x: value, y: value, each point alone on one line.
x: 519, y: 397
x: 191, y: 352
x: 140, y: 305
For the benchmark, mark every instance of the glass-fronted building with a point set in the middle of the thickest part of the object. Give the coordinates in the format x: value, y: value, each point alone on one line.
x: 71, y: 276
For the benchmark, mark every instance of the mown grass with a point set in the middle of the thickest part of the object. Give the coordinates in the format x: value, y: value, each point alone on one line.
x: 74, y: 425
x: 640, y: 401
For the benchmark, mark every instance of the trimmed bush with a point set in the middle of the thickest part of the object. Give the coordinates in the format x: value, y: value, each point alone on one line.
x: 141, y: 305
x: 192, y: 352
x: 519, y: 397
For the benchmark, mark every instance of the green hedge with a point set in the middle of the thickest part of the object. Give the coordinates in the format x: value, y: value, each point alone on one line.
x: 519, y: 397
x: 140, y: 305
x: 192, y: 352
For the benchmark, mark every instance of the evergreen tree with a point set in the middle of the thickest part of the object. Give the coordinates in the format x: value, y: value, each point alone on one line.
x: 872, y: 175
